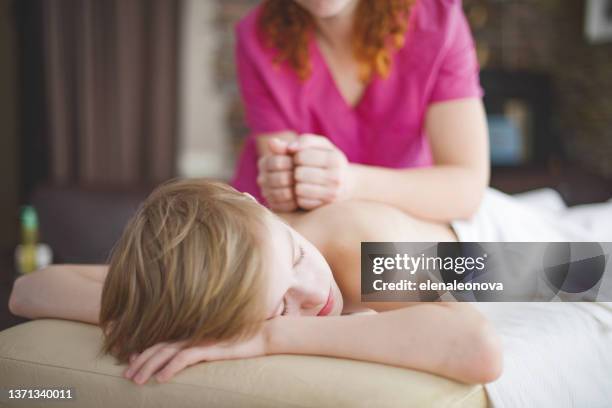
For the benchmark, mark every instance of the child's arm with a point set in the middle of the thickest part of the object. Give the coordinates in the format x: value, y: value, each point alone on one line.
x: 70, y: 292
x: 448, y: 339
x: 452, y: 340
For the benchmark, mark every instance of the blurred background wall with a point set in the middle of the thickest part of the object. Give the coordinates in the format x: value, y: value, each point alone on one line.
x: 9, y: 179
x: 205, y: 146
x: 549, y: 36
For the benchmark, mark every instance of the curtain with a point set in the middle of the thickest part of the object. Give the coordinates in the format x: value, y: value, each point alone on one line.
x: 111, y: 90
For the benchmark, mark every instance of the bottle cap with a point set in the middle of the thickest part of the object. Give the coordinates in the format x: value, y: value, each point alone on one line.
x: 29, y: 218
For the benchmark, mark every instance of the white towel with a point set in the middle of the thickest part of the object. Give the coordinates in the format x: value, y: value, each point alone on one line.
x: 503, y: 218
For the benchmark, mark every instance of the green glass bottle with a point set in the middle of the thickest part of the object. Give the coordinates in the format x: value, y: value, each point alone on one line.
x: 29, y: 240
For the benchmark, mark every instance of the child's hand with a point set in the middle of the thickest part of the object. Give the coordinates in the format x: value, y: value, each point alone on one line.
x: 164, y: 360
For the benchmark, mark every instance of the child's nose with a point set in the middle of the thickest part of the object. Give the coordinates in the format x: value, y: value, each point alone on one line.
x: 312, y: 298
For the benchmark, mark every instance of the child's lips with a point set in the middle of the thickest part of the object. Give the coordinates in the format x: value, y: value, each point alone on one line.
x: 329, y: 305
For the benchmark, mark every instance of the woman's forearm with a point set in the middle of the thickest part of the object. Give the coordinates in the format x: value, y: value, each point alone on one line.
x: 451, y: 340
x: 70, y: 292
x: 439, y: 193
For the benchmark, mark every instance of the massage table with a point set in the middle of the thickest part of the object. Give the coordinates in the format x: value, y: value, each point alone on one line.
x: 51, y: 353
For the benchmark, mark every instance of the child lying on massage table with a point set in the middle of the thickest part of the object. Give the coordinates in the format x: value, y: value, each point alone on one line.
x: 205, y: 273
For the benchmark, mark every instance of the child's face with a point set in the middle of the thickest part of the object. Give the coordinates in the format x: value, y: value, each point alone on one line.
x: 300, y: 280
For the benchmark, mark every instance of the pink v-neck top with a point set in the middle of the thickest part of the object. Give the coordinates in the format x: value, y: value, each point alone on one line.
x: 386, y: 127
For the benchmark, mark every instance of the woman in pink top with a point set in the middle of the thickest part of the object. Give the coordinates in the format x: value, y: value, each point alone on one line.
x: 362, y: 99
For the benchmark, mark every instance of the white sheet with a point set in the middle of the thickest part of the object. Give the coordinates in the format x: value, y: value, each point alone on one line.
x: 555, y: 354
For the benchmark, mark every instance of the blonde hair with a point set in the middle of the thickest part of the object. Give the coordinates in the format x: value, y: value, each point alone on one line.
x: 187, y: 267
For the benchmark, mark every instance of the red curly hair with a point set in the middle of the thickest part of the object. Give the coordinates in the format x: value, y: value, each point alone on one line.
x: 379, y: 29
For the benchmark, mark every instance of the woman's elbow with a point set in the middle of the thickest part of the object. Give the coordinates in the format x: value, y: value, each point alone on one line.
x: 473, y: 195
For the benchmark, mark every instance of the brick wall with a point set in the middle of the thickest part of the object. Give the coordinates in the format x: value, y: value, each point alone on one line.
x: 583, y: 79
x: 537, y: 35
